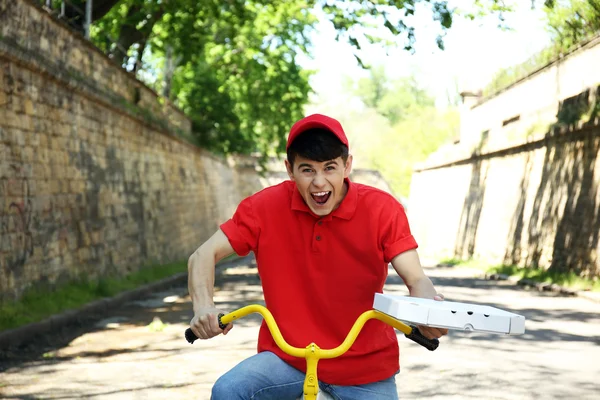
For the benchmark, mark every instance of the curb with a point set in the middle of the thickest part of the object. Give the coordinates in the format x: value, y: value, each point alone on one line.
x: 16, y: 336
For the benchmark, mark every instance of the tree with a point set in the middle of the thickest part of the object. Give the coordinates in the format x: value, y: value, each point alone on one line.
x: 396, y: 100
x: 573, y: 22
x: 413, y: 127
x: 231, y: 64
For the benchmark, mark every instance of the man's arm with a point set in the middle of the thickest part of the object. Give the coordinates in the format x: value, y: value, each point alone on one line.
x: 201, y: 282
x: 408, y: 266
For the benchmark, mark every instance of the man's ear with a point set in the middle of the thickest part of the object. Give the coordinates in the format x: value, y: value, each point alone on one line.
x: 290, y: 169
x: 348, y: 166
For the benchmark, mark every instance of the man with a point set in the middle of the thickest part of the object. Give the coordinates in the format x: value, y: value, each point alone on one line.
x: 322, y: 246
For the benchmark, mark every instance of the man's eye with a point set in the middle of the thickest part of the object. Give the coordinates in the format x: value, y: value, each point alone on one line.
x: 306, y: 170
x: 330, y: 168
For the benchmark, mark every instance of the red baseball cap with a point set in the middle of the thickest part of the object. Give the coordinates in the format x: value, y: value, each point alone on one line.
x: 317, y: 121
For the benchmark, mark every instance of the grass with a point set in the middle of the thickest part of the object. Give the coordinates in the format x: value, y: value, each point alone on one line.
x: 40, y: 303
x: 566, y: 279
x: 36, y: 305
x: 157, y: 325
x: 463, y: 263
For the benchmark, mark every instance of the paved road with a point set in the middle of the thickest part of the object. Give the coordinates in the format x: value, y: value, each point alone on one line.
x: 139, y: 352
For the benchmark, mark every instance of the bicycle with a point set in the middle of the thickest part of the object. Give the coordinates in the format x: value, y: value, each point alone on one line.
x: 313, y: 353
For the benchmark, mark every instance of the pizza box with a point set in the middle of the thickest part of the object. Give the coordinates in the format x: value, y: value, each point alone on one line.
x: 449, y: 314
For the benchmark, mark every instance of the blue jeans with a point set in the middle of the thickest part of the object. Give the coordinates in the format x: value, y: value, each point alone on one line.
x: 265, y: 376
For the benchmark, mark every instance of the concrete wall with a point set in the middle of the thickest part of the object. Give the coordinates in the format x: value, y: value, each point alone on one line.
x: 537, y: 203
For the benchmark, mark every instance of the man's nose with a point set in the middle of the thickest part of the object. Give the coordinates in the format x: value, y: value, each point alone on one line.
x: 319, y: 180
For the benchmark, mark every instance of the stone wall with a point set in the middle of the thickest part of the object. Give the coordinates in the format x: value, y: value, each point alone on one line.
x: 534, y: 204
x: 94, y: 178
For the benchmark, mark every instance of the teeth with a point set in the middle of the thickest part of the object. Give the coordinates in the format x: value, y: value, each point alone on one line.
x: 320, y: 194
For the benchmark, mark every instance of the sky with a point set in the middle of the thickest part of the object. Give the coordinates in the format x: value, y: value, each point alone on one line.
x: 474, y: 51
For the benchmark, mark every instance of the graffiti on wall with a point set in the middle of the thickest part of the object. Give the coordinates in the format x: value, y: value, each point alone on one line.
x: 16, y: 237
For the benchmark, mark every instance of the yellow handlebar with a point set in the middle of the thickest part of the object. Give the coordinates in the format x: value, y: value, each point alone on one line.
x: 312, y: 352
x: 325, y: 353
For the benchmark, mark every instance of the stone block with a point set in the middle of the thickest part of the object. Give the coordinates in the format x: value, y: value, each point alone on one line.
x: 15, y: 187
x: 83, y: 254
x: 28, y: 107
x: 55, y: 186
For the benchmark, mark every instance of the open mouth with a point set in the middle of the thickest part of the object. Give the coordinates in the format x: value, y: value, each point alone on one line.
x: 321, y: 197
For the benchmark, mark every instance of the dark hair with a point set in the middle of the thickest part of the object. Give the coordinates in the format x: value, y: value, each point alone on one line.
x: 318, y: 145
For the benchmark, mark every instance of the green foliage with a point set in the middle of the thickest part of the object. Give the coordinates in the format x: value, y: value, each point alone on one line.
x: 568, y: 279
x: 471, y: 263
x: 242, y: 96
x: 157, y: 325
x: 412, y: 141
x: 570, y: 23
x: 481, y: 8
x: 398, y: 100
x: 231, y: 66
x: 411, y: 130
x: 573, y: 22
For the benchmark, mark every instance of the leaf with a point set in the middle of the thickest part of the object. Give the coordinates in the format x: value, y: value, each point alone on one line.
x: 354, y: 42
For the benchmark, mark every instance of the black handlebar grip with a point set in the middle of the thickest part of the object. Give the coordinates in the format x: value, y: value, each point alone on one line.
x: 417, y: 336
x: 221, y: 325
x: 191, y: 337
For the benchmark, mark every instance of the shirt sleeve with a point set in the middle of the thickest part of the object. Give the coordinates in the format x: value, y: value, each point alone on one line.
x: 396, y: 235
x: 242, y: 229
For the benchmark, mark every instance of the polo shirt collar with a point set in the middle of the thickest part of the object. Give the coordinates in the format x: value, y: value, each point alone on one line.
x: 345, y: 210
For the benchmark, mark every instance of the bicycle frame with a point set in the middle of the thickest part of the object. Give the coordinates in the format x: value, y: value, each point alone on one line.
x: 313, y: 353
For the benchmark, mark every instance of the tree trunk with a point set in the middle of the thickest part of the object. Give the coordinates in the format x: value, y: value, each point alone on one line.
x: 171, y: 63
x: 131, y: 35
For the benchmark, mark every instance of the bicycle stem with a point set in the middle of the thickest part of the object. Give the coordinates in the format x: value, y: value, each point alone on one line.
x: 311, y: 381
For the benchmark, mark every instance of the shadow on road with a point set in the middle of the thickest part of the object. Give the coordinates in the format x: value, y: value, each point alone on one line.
x: 237, y: 285
x: 65, y: 394
x: 170, y: 307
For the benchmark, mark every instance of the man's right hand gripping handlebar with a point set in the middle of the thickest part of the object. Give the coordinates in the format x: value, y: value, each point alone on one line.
x: 206, y: 323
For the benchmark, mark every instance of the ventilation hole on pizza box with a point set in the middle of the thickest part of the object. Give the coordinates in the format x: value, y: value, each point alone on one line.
x: 453, y: 312
x: 486, y: 315
x: 470, y: 312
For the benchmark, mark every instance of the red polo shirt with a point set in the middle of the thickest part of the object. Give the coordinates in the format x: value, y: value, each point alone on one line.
x: 320, y: 273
